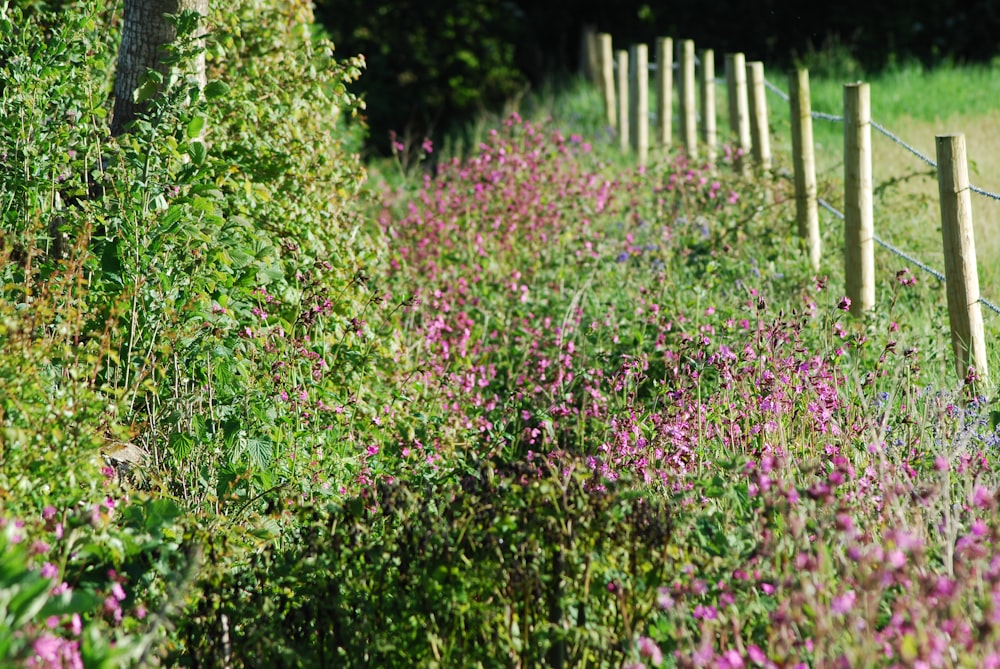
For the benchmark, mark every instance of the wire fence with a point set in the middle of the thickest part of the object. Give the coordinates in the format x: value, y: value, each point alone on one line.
x: 932, y: 163
x: 751, y: 126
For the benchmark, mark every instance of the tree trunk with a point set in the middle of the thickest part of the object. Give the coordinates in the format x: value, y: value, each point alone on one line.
x: 145, y: 34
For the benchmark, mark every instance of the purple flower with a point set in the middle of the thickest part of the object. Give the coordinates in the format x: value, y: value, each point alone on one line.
x: 844, y: 304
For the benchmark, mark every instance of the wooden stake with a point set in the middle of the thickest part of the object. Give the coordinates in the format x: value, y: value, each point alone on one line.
x: 961, y: 274
x: 588, y: 54
x: 607, y: 66
x: 708, y: 130
x: 760, y: 135
x: 664, y: 90
x: 639, y: 101
x: 623, y: 129
x: 804, y: 163
x: 689, y: 100
x: 739, y: 115
x: 859, y: 228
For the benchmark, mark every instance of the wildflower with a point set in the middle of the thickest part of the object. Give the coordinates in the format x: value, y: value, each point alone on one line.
x: 427, y: 146
x: 649, y: 649
x: 844, y: 304
x: 756, y: 655
x: 843, y: 603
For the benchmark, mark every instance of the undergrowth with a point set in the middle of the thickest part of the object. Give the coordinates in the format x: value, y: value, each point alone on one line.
x: 527, y: 406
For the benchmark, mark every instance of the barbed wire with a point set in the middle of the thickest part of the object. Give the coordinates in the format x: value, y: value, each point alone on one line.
x: 905, y: 256
x: 989, y: 305
x: 886, y: 245
x: 885, y: 131
x: 984, y: 193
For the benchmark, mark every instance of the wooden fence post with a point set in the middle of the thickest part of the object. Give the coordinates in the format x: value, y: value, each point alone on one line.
x: 689, y: 100
x: 759, y: 134
x: 588, y: 54
x: 708, y: 130
x: 961, y: 274
x: 623, y: 129
x: 664, y: 90
x: 739, y: 116
x: 859, y: 228
x: 607, y: 65
x: 639, y: 101
x: 804, y: 163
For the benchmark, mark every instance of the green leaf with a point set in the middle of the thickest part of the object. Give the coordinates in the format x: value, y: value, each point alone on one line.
x: 197, y: 152
x: 195, y: 127
x: 147, y: 90
x: 215, y: 89
x: 29, y: 601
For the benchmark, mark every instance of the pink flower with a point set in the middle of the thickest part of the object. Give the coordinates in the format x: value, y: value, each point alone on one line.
x: 49, y: 570
x: 982, y: 497
x: 844, y: 304
x: 756, y: 655
x: 841, y: 604
x: 49, y: 512
x: 648, y: 649
x: 731, y: 660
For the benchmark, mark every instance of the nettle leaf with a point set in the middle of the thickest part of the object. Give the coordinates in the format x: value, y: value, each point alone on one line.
x: 259, y: 451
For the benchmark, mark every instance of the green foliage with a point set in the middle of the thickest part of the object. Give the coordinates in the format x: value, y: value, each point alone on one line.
x: 506, y: 566
x: 428, y: 63
x: 135, y: 278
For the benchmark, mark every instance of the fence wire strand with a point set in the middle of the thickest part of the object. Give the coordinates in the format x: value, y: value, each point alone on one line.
x: 905, y: 256
x: 882, y: 129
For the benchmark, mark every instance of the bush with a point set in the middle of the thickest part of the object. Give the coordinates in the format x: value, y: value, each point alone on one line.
x: 428, y: 63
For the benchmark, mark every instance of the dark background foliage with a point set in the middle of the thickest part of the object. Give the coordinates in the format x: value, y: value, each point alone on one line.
x: 436, y: 62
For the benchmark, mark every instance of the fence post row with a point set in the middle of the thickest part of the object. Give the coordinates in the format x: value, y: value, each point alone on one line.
x: 664, y: 90
x: 804, y: 164
x: 739, y: 115
x: 759, y: 134
x: 689, y: 100
x: 962, y: 278
x: 589, y: 54
x: 607, y: 73
x: 708, y: 104
x: 859, y: 229
x: 623, y: 129
x: 639, y: 101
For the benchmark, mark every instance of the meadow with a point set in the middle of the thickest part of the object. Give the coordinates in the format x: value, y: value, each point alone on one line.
x: 505, y: 402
